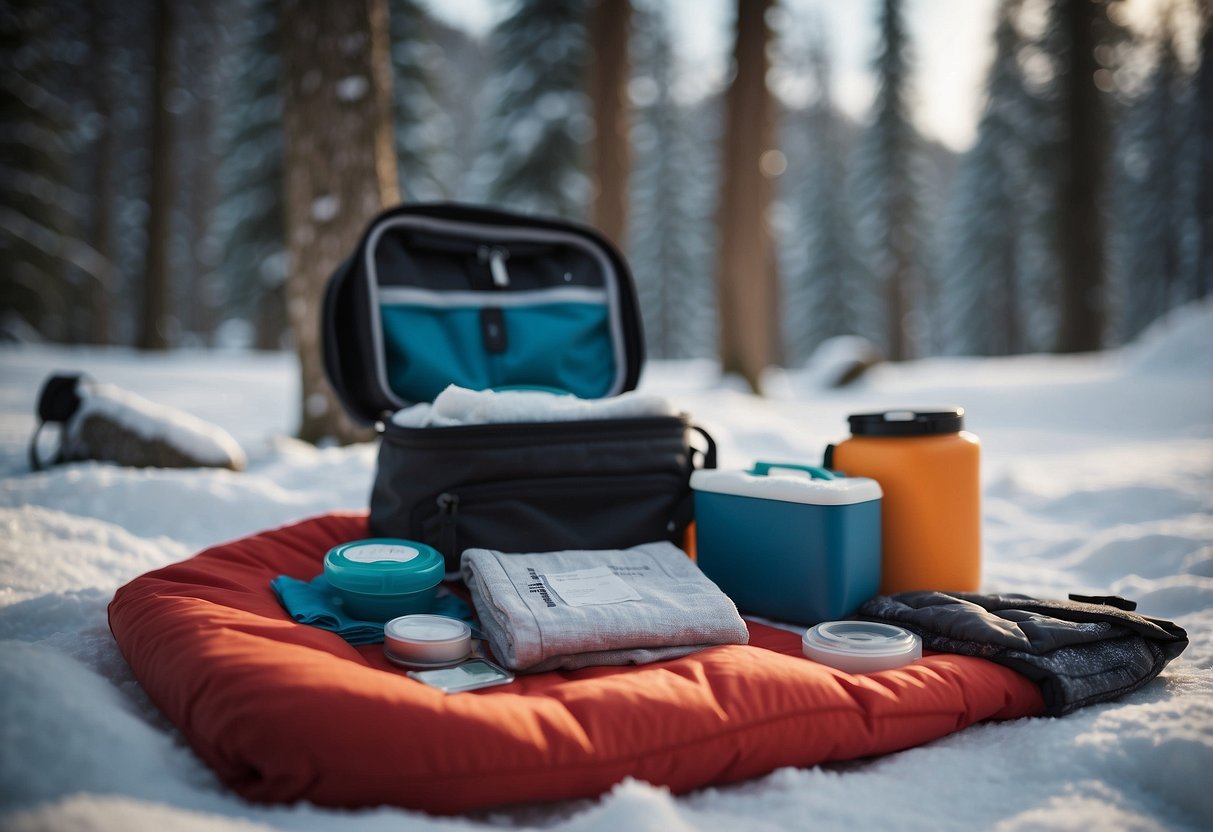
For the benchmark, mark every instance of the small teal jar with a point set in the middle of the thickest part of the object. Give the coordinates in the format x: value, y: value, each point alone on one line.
x: 383, y: 578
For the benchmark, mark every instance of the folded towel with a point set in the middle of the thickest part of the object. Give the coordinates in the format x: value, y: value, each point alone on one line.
x: 314, y: 603
x: 461, y: 406
x: 612, y: 607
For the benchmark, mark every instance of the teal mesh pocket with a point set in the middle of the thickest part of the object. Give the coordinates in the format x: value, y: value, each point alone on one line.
x: 565, y: 345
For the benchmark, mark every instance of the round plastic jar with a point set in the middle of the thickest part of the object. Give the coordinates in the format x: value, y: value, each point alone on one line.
x: 928, y: 467
x: 426, y: 641
x: 861, y: 646
x: 383, y: 578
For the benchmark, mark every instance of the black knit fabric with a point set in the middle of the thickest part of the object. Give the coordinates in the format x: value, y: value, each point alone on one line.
x: 1078, y: 652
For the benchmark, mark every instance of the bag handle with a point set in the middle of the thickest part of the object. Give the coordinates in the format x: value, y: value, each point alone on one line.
x: 707, y: 456
x: 684, y: 511
x: 58, y: 402
x: 763, y: 469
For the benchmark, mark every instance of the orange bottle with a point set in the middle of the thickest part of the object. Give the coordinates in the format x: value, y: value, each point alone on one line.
x: 928, y: 467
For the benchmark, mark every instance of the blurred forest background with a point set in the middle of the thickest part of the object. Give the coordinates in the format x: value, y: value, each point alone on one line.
x: 167, y: 165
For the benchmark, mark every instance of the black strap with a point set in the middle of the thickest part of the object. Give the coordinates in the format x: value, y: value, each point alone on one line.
x: 707, y: 456
x: 35, y: 461
x: 1105, y: 601
x: 827, y: 459
x: 58, y: 402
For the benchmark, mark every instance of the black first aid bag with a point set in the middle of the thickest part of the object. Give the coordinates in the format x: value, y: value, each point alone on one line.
x: 441, y: 294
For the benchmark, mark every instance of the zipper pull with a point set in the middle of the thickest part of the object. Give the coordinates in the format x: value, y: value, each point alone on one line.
x: 496, y: 257
x: 448, y: 524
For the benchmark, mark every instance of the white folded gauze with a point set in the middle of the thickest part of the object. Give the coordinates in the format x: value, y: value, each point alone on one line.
x: 580, y: 608
x: 461, y: 406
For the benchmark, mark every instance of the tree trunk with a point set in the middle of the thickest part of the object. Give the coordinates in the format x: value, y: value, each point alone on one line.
x: 153, y: 321
x: 1203, y: 277
x: 747, y: 289
x: 270, y: 324
x: 1010, y: 326
x: 900, y: 212
x: 340, y: 169
x: 1080, y: 222
x: 203, y: 300
x: 610, y: 24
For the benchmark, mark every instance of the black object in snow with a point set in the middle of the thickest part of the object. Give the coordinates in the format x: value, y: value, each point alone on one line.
x: 1082, y: 651
x: 58, y: 402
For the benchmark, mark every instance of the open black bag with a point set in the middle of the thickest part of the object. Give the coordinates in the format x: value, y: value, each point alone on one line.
x: 439, y: 294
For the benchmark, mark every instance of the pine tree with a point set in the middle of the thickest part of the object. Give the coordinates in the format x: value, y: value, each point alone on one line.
x: 153, y: 327
x: 1080, y: 41
x: 103, y: 183
x: 45, y: 255
x: 203, y: 37
x: 986, y: 298
x: 1037, y: 255
x: 1201, y: 119
x: 250, y: 221
x: 424, y: 132
x: 533, y: 142
x: 668, y: 246
x: 886, y: 199
x: 459, y: 80
x: 1154, y: 193
x: 822, y: 265
x: 129, y: 59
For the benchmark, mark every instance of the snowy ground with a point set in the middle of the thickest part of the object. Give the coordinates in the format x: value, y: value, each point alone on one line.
x: 1098, y: 478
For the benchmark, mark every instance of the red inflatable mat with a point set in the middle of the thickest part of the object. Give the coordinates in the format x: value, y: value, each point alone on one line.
x: 284, y: 712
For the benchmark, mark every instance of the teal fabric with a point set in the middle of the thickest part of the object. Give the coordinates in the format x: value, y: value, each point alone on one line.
x: 314, y: 603
x: 562, y: 345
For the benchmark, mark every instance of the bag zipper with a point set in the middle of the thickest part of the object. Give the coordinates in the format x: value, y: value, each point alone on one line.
x: 496, y: 257
x: 448, y: 513
x: 448, y: 502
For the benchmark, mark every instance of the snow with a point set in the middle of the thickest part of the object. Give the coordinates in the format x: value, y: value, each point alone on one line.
x: 194, y: 437
x: 352, y: 88
x: 324, y: 208
x: 1097, y: 478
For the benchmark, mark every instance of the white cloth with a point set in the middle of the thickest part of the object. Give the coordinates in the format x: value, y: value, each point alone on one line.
x: 579, y: 608
x: 461, y: 406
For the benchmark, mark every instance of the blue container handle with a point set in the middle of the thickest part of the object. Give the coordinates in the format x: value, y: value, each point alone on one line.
x: 762, y: 469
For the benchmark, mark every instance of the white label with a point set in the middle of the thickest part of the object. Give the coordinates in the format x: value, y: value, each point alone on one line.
x: 587, y: 587
x: 380, y: 551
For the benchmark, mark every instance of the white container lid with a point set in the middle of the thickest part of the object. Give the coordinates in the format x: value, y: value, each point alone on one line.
x: 861, y: 646
x: 426, y: 640
x: 788, y: 486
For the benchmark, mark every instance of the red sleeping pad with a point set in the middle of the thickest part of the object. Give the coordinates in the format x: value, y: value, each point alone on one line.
x: 284, y: 712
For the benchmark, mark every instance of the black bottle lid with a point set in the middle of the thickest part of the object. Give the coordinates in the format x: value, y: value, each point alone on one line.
x: 908, y: 422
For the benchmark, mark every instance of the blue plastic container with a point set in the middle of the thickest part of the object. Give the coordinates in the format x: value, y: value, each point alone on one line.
x: 384, y: 578
x: 789, y: 542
